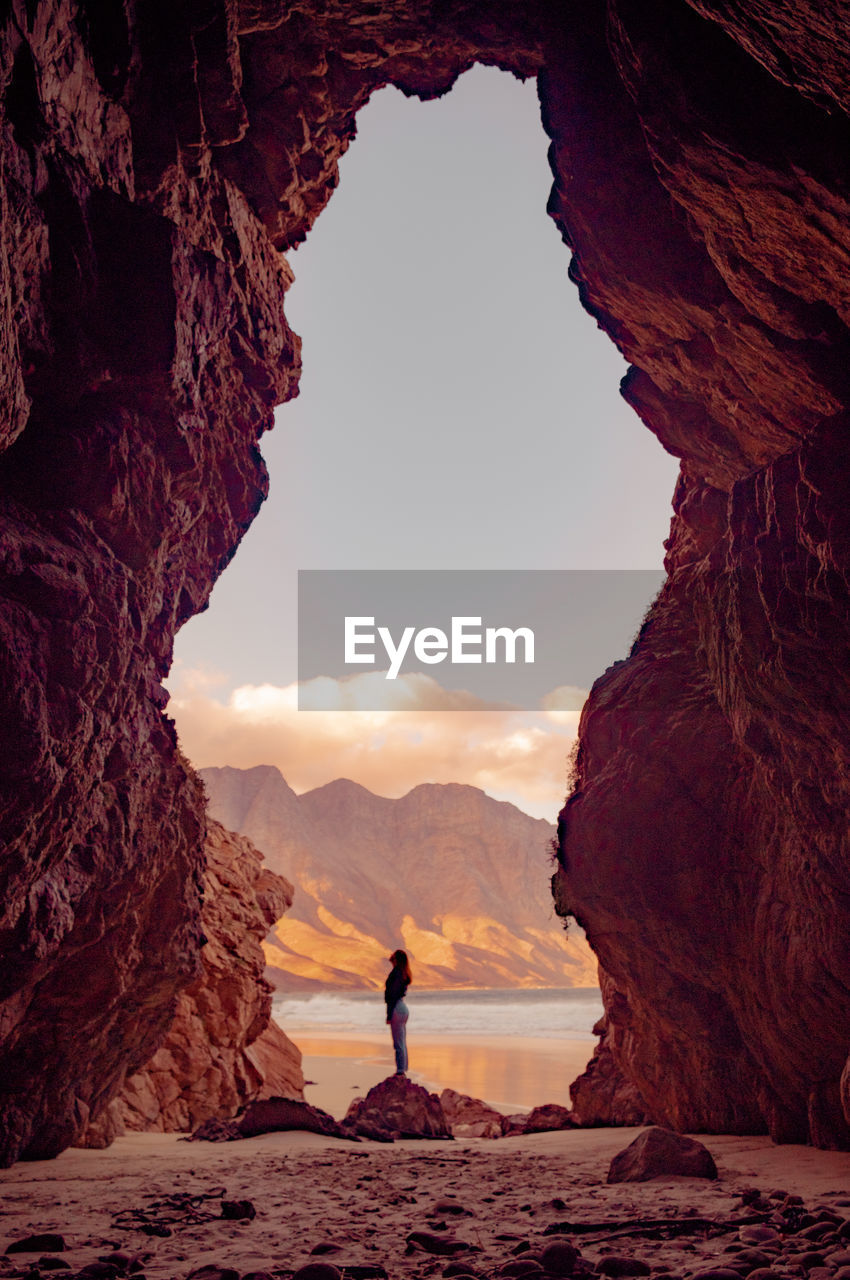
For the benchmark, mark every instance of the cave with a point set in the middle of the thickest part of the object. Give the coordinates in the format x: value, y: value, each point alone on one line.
x: 158, y: 161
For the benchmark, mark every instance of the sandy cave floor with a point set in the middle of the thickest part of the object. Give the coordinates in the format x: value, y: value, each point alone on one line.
x: 356, y: 1204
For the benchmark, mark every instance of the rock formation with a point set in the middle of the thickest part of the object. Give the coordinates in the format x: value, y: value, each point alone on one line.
x: 154, y: 162
x: 704, y: 845
x: 458, y: 879
x: 222, y: 1049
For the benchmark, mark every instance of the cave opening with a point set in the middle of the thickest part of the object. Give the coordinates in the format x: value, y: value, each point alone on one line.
x: 449, y: 371
x: 710, y: 234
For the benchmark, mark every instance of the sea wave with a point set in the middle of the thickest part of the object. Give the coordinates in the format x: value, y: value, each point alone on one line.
x: 544, y: 1013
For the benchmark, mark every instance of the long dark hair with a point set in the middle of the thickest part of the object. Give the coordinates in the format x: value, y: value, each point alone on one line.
x: 402, y: 965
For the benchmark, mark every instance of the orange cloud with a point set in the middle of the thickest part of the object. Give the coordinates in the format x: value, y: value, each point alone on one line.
x: 520, y: 756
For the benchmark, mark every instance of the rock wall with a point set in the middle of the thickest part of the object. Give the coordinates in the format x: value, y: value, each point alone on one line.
x: 222, y: 1049
x: 704, y: 847
x: 153, y: 163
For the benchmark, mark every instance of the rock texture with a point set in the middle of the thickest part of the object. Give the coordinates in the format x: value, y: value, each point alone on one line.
x: 602, y: 1095
x: 397, y: 1108
x: 222, y: 1049
x: 704, y: 846
x: 457, y: 879
x: 154, y: 161
x: 658, y: 1153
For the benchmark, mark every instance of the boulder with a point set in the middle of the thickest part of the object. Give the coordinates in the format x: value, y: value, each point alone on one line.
x: 470, y: 1117
x: 270, y: 1115
x: 398, y: 1107
x: 547, y: 1117
x: 660, y: 1153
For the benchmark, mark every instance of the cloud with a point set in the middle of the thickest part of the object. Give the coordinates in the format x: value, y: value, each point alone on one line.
x: 513, y: 755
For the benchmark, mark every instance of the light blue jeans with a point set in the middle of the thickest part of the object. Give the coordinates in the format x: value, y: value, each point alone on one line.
x: 398, y: 1026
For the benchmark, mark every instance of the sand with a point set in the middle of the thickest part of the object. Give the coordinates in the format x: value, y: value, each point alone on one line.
x: 357, y: 1204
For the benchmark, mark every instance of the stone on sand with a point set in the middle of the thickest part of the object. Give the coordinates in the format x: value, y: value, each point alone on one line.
x: 272, y: 1115
x: 660, y: 1153
x: 470, y: 1117
x: 400, y: 1108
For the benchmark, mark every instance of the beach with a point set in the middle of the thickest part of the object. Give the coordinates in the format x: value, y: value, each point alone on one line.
x: 512, y: 1048
x: 512, y: 1073
x: 367, y: 1206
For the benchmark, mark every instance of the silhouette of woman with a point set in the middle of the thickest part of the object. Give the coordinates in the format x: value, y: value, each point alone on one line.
x: 395, y: 988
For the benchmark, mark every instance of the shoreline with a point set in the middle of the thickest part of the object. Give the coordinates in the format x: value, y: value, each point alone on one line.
x: 511, y: 1073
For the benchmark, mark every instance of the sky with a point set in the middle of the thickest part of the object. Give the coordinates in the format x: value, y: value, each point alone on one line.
x: 458, y: 409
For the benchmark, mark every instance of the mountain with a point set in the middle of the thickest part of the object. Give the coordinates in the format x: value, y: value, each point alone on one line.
x: 460, y: 880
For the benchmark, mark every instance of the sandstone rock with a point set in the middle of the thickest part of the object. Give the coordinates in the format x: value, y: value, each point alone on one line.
x: 400, y: 1107
x: 270, y: 1115
x: 603, y: 1095
x: 547, y: 1117
x: 222, y: 1049
x: 658, y: 1153
x: 470, y: 1117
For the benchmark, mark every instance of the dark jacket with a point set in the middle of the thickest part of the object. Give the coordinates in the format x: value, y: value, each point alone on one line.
x: 395, y: 989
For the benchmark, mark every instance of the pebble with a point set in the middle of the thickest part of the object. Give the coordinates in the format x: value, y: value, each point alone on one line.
x: 618, y: 1265
x: 213, y: 1273
x: 559, y: 1258
x: 47, y: 1242
x: 764, y: 1273
x: 818, y: 1230
x: 234, y: 1210
x: 450, y: 1205
x: 431, y: 1244
x: 318, y: 1271
x: 759, y: 1235
x: 806, y: 1260
x: 757, y: 1257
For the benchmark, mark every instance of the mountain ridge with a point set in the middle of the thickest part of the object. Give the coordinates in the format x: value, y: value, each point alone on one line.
x: 457, y: 878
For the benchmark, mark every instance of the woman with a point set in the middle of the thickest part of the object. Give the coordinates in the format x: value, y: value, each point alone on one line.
x: 395, y: 988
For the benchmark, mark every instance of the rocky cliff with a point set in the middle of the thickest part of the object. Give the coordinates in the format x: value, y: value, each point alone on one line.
x: 154, y: 161
x: 704, y: 847
x: 457, y: 879
x: 222, y: 1049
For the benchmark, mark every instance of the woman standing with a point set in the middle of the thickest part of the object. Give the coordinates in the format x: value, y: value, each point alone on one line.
x: 395, y: 988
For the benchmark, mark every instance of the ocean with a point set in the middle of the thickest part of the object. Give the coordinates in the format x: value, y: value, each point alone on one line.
x: 546, y: 1013
x: 514, y: 1048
